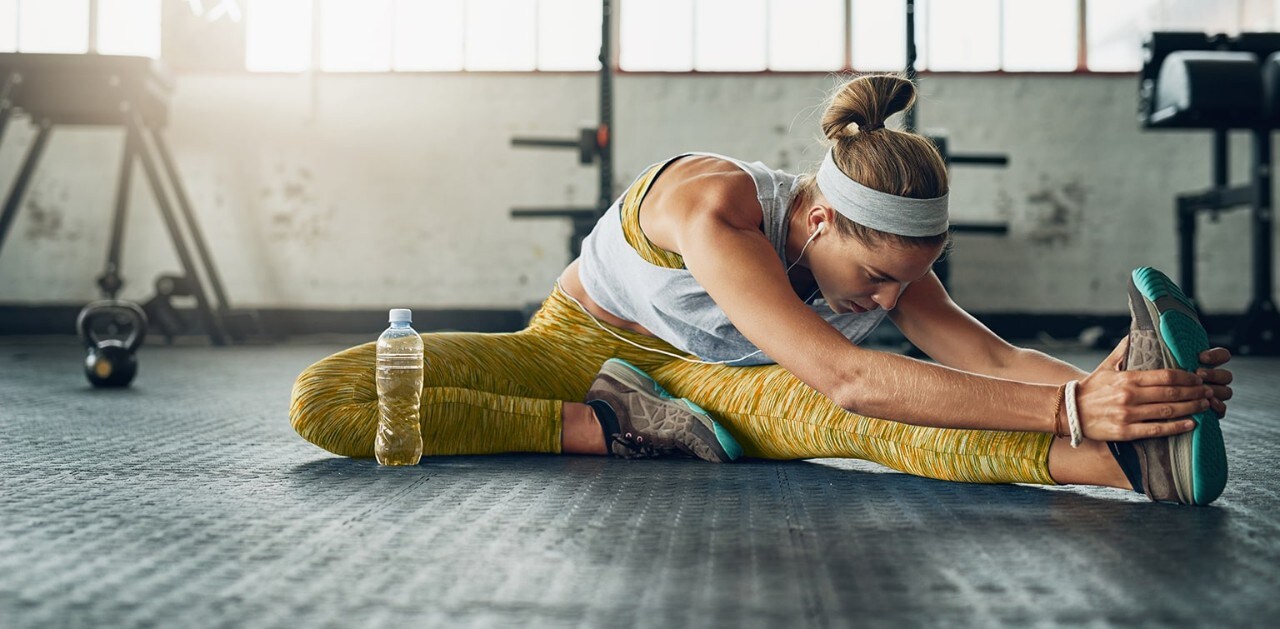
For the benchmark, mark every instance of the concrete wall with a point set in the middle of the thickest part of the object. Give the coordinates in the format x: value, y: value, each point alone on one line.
x: 369, y: 191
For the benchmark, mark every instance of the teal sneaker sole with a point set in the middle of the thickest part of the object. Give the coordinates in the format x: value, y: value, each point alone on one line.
x: 730, y: 445
x: 1181, y: 332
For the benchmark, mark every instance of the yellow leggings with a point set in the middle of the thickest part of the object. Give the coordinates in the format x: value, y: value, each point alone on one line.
x: 491, y: 393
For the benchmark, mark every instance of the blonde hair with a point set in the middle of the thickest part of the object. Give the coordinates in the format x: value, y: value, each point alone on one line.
x: 901, y: 163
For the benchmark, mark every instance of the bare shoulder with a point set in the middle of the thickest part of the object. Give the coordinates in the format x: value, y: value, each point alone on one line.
x: 698, y: 186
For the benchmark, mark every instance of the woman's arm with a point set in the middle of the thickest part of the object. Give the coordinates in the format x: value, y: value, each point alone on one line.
x: 737, y: 266
x: 940, y: 328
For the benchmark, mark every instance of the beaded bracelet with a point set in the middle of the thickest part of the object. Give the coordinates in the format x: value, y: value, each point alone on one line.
x: 1058, y: 429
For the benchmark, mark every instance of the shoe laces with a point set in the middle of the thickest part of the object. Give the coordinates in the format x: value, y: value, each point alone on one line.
x: 637, y: 446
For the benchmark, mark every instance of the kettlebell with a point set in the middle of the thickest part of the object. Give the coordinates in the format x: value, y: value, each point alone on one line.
x: 111, y: 362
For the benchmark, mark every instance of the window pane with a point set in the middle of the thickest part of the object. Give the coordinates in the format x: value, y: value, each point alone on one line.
x: 1115, y: 30
x: 729, y: 35
x: 879, y: 32
x: 656, y: 35
x: 964, y: 36
x: 278, y: 35
x: 1259, y: 17
x: 54, y: 26
x: 356, y: 35
x: 569, y: 34
x: 429, y: 35
x: 1192, y: 15
x: 501, y: 34
x: 806, y: 34
x: 8, y: 25
x: 1040, y: 35
x: 129, y: 27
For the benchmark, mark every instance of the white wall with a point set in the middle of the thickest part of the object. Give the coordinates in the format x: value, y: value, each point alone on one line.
x: 369, y: 191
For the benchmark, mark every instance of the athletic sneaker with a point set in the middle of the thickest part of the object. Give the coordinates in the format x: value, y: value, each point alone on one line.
x: 1190, y: 468
x: 641, y: 420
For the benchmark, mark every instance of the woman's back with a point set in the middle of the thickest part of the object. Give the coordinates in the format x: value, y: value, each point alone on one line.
x: 631, y: 264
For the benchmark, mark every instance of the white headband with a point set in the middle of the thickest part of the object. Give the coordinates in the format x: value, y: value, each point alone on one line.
x: 878, y: 210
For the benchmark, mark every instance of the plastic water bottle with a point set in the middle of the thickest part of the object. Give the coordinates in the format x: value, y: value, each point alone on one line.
x: 399, y: 440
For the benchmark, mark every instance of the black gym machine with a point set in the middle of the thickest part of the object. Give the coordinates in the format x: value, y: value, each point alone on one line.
x: 133, y: 92
x: 1221, y: 83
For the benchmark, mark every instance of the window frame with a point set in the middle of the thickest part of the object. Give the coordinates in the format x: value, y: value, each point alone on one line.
x: 1081, y: 68
x: 316, y: 52
x: 848, y: 68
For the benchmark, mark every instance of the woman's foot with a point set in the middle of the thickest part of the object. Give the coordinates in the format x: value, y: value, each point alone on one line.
x: 640, y: 419
x: 1190, y: 468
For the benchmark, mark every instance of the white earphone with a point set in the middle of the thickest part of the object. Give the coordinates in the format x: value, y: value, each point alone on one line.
x: 816, y: 231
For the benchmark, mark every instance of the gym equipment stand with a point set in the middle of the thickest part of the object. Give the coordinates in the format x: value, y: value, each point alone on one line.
x: 1193, y: 80
x: 61, y: 89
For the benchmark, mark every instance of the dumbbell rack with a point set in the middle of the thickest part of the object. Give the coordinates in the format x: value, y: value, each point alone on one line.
x: 133, y: 92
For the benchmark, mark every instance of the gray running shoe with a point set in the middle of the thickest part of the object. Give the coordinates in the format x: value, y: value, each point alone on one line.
x: 651, y: 422
x: 1189, y: 468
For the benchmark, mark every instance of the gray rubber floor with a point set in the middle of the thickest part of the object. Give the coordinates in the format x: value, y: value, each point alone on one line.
x: 188, y: 501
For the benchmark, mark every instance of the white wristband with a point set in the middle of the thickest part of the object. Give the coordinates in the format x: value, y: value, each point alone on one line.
x: 1073, y: 414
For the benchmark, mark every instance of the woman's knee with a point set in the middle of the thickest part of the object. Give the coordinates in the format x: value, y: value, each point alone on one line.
x: 334, y: 402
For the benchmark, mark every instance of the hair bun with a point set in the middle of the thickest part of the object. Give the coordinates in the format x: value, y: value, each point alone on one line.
x: 863, y: 104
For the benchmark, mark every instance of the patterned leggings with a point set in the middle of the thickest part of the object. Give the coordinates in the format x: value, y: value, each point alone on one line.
x: 491, y: 393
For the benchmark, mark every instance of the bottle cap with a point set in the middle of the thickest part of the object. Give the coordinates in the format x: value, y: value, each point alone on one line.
x: 401, y: 314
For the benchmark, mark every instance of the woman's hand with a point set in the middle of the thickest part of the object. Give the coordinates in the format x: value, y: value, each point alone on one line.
x: 1217, y: 379
x: 1118, y: 405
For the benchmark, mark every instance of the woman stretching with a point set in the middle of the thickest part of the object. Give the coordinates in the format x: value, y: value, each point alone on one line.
x: 714, y: 288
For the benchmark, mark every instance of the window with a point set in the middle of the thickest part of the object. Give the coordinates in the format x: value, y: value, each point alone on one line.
x: 417, y: 35
x: 129, y: 27
x: 1040, y: 36
x: 429, y: 35
x: 53, y: 26
x: 714, y: 35
x: 8, y: 25
x: 806, y: 35
x: 355, y: 35
x: 1115, y: 29
x: 879, y: 34
x: 731, y: 35
x: 569, y: 34
x: 656, y: 35
x: 124, y: 27
x: 962, y: 36
x: 508, y: 42
x: 788, y: 35
x: 278, y: 35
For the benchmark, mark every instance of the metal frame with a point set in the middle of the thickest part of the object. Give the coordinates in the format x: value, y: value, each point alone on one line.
x: 144, y: 144
x: 138, y: 137
x: 593, y: 146
x: 1257, y: 330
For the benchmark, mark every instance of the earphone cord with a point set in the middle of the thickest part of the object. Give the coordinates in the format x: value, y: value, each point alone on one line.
x: 684, y: 358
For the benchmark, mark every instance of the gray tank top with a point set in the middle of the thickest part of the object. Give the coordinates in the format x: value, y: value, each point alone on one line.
x: 671, y: 304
